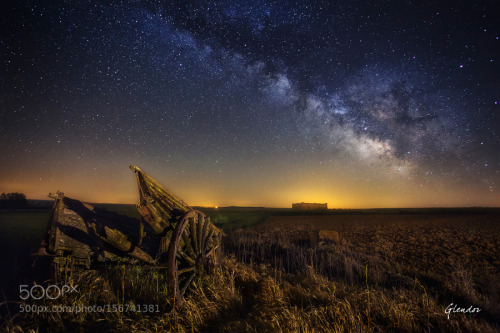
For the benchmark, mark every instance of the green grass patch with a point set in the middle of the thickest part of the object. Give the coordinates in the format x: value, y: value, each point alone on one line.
x: 23, y: 228
x: 129, y: 210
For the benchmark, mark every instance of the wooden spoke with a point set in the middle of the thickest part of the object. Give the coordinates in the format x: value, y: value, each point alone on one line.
x: 184, y: 270
x: 186, y: 284
x: 183, y: 255
x: 188, y: 247
x: 201, y: 223
x: 194, y: 239
x: 209, y: 237
x: 204, y: 232
x: 212, y: 250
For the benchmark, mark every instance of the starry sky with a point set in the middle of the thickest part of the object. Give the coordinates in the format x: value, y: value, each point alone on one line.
x: 360, y: 104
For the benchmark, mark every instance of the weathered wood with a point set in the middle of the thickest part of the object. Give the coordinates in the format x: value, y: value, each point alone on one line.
x: 172, y: 277
x: 194, y: 238
x: 80, y: 234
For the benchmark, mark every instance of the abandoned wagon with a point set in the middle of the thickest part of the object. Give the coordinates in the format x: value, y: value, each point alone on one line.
x: 170, y: 235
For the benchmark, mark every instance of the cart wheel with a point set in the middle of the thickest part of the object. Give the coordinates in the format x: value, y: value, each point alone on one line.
x: 192, y: 250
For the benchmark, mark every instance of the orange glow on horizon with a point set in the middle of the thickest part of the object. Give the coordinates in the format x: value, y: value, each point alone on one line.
x: 332, y: 186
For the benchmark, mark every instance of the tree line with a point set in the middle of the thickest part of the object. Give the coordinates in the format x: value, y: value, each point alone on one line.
x: 13, y: 200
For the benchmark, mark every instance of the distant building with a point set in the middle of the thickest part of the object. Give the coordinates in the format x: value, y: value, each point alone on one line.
x: 309, y: 206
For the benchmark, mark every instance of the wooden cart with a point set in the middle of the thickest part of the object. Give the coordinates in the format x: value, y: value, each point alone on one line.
x: 170, y: 235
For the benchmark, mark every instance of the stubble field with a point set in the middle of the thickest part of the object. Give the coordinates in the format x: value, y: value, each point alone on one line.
x: 450, y: 258
x: 286, y: 271
x: 429, y: 244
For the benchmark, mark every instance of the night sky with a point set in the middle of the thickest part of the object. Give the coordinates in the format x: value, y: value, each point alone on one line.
x: 255, y: 103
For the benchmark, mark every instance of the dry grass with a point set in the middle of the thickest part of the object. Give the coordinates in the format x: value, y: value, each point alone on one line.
x: 272, y: 281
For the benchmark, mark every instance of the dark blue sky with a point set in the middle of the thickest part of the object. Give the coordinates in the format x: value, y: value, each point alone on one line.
x: 355, y: 103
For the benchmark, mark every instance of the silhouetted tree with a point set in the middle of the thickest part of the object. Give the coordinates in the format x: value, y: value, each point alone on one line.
x: 13, y: 200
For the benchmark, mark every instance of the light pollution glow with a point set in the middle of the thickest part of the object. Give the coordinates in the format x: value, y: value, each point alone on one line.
x: 261, y: 190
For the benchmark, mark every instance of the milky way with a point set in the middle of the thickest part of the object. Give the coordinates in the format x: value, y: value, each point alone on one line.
x: 358, y: 104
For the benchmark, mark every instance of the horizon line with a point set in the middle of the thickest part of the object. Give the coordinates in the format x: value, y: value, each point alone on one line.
x: 268, y: 207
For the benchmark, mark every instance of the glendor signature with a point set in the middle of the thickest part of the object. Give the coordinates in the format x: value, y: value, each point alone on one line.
x: 456, y: 309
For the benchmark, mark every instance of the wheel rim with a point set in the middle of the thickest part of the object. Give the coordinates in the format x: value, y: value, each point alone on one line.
x: 192, y: 249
